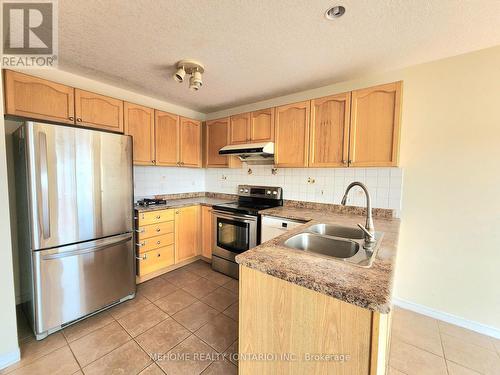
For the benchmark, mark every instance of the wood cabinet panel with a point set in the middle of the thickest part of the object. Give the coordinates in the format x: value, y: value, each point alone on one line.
x: 38, y: 98
x: 329, y: 144
x: 216, y: 137
x: 154, y: 217
x: 155, y: 260
x: 166, y: 138
x: 140, y: 124
x: 148, y: 231
x: 190, y: 143
x: 239, y: 130
x: 292, y: 135
x: 187, y: 226
x: 151, y: 243
x: 206, y: 231
x: 262, y: 125
x: 98, y: 111
x: 280, y: 317
x: 375, y: 126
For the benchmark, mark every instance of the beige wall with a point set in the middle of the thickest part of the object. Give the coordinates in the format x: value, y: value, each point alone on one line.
x: 449, y: 253
x: 8, y: 331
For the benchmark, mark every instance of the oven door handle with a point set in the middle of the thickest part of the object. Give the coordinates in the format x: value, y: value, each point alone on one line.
x: 241, y: 218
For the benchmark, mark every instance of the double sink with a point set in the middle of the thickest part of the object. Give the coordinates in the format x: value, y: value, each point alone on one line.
x: 341, y: 243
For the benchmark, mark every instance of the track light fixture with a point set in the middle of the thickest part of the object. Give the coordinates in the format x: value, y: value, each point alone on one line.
x: 192, y: 68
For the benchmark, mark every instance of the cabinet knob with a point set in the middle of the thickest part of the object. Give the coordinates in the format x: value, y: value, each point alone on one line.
x: 79, y: 119
x: 159, y: 255
x: 158, y: 229
x: 71, y: 118
x: 158, y: 242
x: 158, y: 217
x: 350, y: 161
x: 177, y: 212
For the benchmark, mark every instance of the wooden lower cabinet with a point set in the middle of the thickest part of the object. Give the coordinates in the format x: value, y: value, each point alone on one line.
x: 206, y: 231
x: 155, y: 260
x: 187, y: 230
x: 281, y: 318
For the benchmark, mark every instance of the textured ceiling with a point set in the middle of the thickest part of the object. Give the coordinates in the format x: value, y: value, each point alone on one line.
x: 258, y: 49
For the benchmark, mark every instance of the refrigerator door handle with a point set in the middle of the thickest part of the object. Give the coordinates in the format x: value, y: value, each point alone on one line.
x: 44, y: 186
x: 92, y: 248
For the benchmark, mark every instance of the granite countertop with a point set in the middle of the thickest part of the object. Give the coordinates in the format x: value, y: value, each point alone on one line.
x: 369, y: 288
x: 182, y: 202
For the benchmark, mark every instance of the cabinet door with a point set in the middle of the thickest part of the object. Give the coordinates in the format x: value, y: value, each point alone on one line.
x: 292, y: 135
x: 187, y: 223
x: 98, y: 111
x: 239, y: 129
x: 37, y: 98
x: 166, y: 138
x: 329, y: 144
x: 206, y: 231
x: 375, y: 126
x: 139, y: 123
x: 262, y: 125
x: 190, y: 143
x: 216, y: 138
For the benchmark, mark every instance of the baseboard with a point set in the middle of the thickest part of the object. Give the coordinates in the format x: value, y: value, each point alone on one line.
x: 448, y: 318
x: 10, y: 358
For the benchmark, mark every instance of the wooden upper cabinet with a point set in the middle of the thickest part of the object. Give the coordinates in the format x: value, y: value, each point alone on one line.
x: 375, y: 126
x: 38, y: 98
x: 329, y: 142
x: 187, y: 233
x: 166, y: 138
x: 292, y: 135
x: 139, y: 123
x: 98, y: 111
x: 190, y: 143
x: 216, y: 137
x: 262, y: 125
x: 239, y: 129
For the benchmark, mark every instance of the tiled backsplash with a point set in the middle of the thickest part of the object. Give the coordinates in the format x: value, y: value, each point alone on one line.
x: 326, y: 185
x: 149, y: 181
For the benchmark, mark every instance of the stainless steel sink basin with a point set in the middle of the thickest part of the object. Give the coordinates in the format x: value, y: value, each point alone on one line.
x: 333, y: 247
x: 337, y: 231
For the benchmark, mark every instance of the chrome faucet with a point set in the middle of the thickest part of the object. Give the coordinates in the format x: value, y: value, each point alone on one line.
x: 369, y: 228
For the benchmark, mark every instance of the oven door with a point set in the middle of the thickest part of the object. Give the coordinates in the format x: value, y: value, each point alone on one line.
x: 233, y: 234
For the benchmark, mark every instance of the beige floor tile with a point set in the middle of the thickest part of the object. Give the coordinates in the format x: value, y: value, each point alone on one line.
x: 232, y: 312
x: 142, y: 319
x: 86, y: 326
x: 467, y: 335
x: 58, y: 362
x: 196, y: 315
x: 232, y: 285
x: 128, y: 307
x: 496, y: 342
x: 220, y: 299
x: 414, y: 361
x: 220, y: 332
x: 393, y: 371
x: 162, y: 337
x: 180, y: 277
x: 199, y: 267
x: 456, y: 369
x: 175, y: 302
x: 152, y: 369
x: 127, y: 359
x: 471, y: 356
x: 231, y: 353
x: 32, y: 349
x: 200, y: 288
x: 217, y: 277
x: 98, y: 343
x: 221, y: 367
x: 156, y: 288
x: 418, y: 330
x: 191, y: 356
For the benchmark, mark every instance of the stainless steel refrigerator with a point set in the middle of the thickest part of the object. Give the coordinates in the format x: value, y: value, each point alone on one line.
x: 74, y: 196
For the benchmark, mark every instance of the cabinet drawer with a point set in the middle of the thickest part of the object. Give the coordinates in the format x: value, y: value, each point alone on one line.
x: 154, y: 230
x: 154, y: 260
x: 155, y: 242
x: 153, y: 217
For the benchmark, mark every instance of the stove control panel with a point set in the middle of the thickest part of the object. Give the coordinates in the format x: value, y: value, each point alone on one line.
x: 271, y: 192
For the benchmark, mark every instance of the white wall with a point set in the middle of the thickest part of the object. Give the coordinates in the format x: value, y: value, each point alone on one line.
x: 329, y: 184
x: 9, y: 349
x: 449, y: 248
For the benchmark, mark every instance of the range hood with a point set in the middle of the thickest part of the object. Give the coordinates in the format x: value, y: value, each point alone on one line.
x: 252, y: 153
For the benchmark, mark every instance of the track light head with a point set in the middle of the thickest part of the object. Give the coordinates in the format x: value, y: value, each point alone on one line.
x: 180, y: 74
x: 195, y: 82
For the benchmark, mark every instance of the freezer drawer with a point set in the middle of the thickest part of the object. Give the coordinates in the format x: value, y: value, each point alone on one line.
x: 73, y: 281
